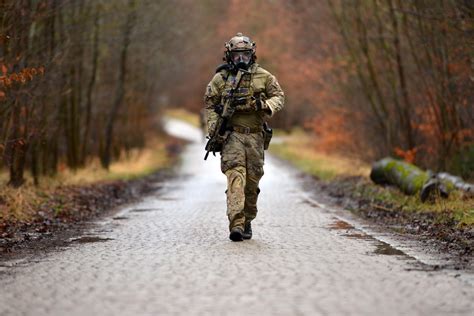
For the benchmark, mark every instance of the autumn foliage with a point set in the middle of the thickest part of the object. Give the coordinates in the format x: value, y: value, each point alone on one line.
x: 412, y: 63
x: 370, y: 78
x: 86, y: 79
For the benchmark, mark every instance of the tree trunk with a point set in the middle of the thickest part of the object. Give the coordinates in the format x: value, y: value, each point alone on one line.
x: 90, y: 86
x: 412, y: 180
x: 405, y: 119
x: 457, y: 182
x: 16, y: 150
x: 409, y: 178
x: 106, y: 157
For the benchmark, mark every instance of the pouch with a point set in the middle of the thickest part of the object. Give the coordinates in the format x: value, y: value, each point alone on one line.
x: 267, y: 136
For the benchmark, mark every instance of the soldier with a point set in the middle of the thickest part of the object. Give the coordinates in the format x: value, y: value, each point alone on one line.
x: 257, y: 98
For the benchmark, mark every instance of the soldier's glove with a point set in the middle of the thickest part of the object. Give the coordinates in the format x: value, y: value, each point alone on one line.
x: 256, y: 104
x: 259, y: 104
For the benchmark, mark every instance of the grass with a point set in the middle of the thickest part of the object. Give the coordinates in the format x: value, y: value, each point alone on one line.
x: 297, y: 148
x: 456, y: 207
x: 134, y: 164
x: 22, y: 204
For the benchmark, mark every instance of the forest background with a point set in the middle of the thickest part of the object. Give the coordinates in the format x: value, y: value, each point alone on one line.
x: 88, y: 80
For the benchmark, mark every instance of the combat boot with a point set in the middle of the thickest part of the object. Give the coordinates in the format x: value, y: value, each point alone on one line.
x: 247, y: 231
x: 236, y: 234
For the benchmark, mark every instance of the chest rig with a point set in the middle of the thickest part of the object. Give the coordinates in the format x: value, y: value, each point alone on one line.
x: 243, y: 95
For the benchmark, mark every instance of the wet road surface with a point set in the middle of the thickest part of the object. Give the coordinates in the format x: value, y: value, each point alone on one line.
x: 170, y: 255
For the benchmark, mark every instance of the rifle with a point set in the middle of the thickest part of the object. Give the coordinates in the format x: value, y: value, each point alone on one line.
x: 225, y: 111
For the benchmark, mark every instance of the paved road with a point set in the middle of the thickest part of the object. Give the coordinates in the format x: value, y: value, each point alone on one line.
x: 170, y: 255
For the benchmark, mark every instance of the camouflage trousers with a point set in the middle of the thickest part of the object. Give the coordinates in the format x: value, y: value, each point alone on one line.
x: 242, y: 159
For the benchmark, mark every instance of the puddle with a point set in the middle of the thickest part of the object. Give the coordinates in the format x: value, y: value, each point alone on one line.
x: 340, y: 225
x: 120, y: 218
x: 141, y: 210
x: 382, y: 248
x: 90, y: 239
x: 386, y: 249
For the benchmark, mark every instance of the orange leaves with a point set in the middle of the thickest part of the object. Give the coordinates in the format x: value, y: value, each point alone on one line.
x: 4, y: 71
x: 333, y: 131
x: 407, y: 155
x: 22, y: 77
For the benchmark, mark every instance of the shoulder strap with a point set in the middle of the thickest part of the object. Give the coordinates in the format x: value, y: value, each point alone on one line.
x: 226, y: 67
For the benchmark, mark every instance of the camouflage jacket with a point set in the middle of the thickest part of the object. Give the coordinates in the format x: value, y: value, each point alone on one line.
x: 258, y: 83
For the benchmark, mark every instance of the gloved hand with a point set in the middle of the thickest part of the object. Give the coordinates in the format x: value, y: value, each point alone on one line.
x: 259, y: 104
x: 256, y: 104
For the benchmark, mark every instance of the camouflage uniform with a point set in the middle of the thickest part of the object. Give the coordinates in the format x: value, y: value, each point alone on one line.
x: 242, y: 155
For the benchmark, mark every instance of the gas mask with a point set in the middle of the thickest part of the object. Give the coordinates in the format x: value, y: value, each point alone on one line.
x: 240, y: 52
x: 241, y: 59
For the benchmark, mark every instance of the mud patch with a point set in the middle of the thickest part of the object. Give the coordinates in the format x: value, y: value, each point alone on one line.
x: 90, y: 239
x: 382, y: 248
x: 385, y: 249
x: 340, y: 225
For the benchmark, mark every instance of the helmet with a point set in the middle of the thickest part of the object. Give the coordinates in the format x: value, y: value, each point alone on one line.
x: 240, y: 51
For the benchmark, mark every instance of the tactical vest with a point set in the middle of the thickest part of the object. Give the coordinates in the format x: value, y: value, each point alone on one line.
x: 248, y: 90
x: 243, y: 94
x: 251, y: 85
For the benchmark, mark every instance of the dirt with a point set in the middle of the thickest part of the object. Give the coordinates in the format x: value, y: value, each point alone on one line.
x: 437, y: 230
